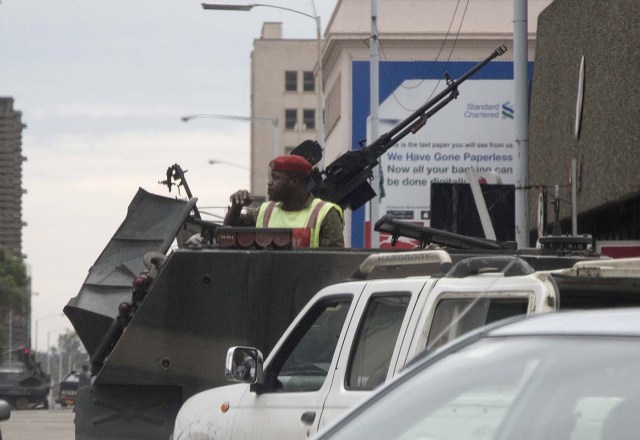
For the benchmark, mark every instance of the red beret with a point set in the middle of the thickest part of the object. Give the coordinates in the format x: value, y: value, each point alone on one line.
x: 291, y: 164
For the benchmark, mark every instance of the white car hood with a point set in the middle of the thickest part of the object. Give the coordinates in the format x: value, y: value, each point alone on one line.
x: 201, y: 416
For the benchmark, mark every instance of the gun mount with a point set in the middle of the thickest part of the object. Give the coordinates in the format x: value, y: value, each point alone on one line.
x: 426, y: 236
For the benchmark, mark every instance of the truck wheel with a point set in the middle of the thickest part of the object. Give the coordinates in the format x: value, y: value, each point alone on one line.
x: 45, y: 404
x: 22, y: 403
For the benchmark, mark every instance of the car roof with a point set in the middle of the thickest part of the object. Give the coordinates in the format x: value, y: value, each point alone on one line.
x: 624, y: 321
x: 604, y: 322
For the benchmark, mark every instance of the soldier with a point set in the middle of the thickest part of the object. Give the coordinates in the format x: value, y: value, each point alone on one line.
x: 291, y: 206
x: 84, y: 380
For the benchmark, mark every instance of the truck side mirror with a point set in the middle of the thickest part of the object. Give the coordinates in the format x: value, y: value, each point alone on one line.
x: 244, y: 364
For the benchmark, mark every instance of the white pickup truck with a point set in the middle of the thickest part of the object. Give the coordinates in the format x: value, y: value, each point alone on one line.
x: 353, y: 336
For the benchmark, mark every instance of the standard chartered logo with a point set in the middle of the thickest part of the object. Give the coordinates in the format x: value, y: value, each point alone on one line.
x: 507, y: 110
x: 489, y: 111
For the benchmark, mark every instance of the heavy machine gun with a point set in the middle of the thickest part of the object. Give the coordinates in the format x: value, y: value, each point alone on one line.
x: 346, y: 180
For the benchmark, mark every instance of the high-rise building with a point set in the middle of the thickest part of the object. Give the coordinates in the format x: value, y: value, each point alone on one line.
x: 16, y: 324
x: 11, y: 191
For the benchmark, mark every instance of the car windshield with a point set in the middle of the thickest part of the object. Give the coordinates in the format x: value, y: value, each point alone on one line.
x: 514, y: 387
x: 72, y: 378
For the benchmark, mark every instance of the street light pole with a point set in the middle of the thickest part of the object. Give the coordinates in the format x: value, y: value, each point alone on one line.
x: 260, y: 119
x: 374, y: 102
x: 35, y: 347
x: 49, y: 347
x: 319, y: 85
x: 521, y: 98
x: 319, y: 74
x: 222, y: 162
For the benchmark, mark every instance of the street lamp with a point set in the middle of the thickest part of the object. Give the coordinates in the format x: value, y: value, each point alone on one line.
x: 259, y: 119
x: 319, y: 83
x: 49, y: 347
x: 222, y: 162
x: 53, y: 315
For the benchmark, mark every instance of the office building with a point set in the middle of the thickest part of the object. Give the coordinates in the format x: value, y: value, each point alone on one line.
x: 283, y: 87
x: 17, y: 324
x: 585, y: 108
x: 11, y: 190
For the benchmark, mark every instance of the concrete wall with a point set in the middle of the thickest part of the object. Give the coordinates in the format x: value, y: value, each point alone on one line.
x: 607, y: 35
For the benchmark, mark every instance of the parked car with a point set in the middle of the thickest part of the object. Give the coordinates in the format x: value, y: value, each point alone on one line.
x: 68, y: 389
x: 567, y: 376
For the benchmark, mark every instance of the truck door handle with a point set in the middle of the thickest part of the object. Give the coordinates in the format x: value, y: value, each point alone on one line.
x: 308, y: 417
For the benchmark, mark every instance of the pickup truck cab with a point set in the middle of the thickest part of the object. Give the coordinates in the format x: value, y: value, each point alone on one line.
x: 353, y: 336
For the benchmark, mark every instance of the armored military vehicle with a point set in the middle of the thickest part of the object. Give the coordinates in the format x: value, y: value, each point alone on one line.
x: 157, y: 320
x: 23, y: 384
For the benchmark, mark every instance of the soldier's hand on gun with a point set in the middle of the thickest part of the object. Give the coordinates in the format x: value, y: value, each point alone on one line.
x: 242, y: 198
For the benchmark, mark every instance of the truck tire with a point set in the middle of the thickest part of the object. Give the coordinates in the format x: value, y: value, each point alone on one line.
x: 21, y: 403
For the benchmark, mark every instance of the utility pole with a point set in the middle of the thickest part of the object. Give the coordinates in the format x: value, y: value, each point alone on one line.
x: 374, y: 98
x: 521, y: 104
x: 10, y: 332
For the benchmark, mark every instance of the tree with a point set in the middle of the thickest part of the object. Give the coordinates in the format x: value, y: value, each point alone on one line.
x: 15, y: 300
x: 69, y: 342
x: 14, y: 283
x: 71, y: 347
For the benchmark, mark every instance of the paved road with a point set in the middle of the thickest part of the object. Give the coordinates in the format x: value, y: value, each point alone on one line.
x: 49, y: 424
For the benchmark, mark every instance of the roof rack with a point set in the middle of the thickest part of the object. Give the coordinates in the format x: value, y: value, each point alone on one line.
x: 617, y: 267
x: 508, y: 266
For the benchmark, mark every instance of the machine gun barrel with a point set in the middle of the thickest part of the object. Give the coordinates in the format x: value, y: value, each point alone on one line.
x: 418, y: 118
x: 345, y: 180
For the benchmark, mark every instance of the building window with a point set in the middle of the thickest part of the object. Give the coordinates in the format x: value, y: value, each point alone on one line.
x: 309, y: 82
x: 309, y: 119
x: 375, y: 341
x: 477, y: 312
x: 291, y: 81
x: 308, y: 352
x: 332, y: 106
x: 290, y: 119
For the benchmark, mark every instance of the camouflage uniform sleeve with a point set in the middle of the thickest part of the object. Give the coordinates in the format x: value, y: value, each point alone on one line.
x: 332, y: 230
x: 248, y: 219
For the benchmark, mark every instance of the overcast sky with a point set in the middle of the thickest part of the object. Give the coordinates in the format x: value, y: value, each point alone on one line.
x: 101, y: 87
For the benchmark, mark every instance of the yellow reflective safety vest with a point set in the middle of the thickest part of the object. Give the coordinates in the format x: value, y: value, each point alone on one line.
x: 305, y: 223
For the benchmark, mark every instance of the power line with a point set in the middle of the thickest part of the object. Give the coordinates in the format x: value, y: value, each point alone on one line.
x: 440, y: 50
